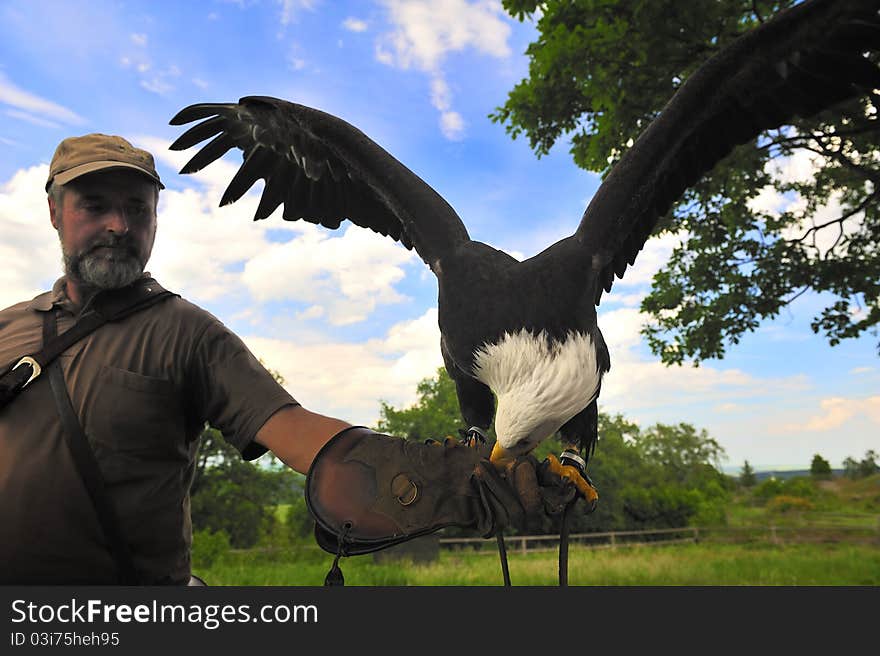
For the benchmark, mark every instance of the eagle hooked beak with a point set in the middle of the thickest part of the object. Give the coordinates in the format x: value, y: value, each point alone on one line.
x: 501, y: 457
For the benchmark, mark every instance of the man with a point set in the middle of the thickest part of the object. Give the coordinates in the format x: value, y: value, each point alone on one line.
x: 141, y: 389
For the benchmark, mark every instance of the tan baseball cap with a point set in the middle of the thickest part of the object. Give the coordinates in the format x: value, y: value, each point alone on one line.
x: 76, y: 156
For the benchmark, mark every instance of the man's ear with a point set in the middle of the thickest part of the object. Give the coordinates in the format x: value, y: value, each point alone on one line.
x: 53, y: 212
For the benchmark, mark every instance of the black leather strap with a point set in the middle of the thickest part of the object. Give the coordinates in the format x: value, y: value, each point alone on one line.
x: 87, y: 465
x: 110, y: 305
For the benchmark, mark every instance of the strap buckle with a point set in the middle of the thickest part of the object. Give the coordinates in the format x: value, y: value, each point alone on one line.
x: 36, y: 370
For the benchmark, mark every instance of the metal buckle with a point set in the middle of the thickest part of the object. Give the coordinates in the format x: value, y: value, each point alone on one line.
x: 35, y: 366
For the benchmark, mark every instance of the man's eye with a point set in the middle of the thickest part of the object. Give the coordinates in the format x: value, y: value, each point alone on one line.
x: 94, y: 207
x: 137, y: 210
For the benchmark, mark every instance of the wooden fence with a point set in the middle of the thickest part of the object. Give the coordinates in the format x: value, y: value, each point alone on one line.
x: 664, y: 536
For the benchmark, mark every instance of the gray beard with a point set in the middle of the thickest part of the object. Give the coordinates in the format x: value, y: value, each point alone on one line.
x: 98, y: 271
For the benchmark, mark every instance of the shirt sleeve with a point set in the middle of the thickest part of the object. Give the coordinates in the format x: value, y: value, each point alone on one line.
x: 233, y: 391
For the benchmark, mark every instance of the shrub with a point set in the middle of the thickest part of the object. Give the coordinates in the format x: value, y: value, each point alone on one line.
x: 799, y: 487
x: 785, y: 503
x: 208, y: 547
x: 768, y: 489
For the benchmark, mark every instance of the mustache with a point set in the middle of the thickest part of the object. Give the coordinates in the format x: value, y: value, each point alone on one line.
x: 112, y: 241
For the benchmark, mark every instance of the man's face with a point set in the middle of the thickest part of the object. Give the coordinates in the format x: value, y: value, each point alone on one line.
x: 107, y: 224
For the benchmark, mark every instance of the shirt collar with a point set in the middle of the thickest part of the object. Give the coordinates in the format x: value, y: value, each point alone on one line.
x: 58, y: 297
x: 47, y: 300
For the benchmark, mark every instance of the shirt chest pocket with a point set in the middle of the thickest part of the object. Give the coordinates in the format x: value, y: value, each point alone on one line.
x: 136, y: 413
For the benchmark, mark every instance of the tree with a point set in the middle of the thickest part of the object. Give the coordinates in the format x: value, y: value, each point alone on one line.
x: 237, y: 497
x: 665, y: 476
x: 747, y: 476
x: 820, y: 468
x: 850, y: 467
x: 435, y: 415
x: 868, y: 466
x: 863, y: 468
x: 601, y: 70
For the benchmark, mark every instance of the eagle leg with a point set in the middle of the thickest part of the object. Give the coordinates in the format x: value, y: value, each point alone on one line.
x: 474, y: 437
x: 579, y: 436
x: 575, y: 474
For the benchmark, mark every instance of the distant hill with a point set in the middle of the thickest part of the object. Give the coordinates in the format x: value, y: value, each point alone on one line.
x: 782, y: 474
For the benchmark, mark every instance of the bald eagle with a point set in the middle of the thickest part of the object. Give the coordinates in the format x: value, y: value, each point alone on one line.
x: 526, y: 333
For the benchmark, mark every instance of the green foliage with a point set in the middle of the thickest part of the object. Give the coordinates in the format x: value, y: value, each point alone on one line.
x: 769, y: 488
x: 777, y: 494
x: 747, y: 476
x: 800, y: 486
x: 706, y: 563
x: 601, y: 70
x: 208, y: 548
x: 787, y: 504
x: 298, y: 523
x: 820, y: 468
x: 235, y: 496
x: 434, y: 416
x: 661, y: 477
x: 863, y: 468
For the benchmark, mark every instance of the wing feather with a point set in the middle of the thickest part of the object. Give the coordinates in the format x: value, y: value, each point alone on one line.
x: 806, y: 59
x: 322, y: 170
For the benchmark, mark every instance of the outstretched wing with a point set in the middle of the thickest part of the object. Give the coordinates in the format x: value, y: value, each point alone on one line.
x: 804, y: 60
x: 322, y: 169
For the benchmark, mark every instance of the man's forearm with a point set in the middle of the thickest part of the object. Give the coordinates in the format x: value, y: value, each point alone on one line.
x: 295, y: 435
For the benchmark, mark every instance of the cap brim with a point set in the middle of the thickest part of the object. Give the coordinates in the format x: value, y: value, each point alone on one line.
x: 71, y: 174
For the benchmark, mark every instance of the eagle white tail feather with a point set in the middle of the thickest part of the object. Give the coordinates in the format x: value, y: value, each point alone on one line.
x: 540, y: 383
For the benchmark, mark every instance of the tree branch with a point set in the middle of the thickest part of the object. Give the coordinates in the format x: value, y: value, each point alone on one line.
x: 756, y: 12
x: 817, y: 136
x: 839, y: 220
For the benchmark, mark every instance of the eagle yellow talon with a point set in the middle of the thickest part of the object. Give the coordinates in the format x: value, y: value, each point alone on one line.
x: 574, y: 475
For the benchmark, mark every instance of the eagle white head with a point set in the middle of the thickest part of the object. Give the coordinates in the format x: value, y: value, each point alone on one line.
x: 540, y: 383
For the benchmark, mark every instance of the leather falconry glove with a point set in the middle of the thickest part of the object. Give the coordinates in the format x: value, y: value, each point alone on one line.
x: 368, y: 491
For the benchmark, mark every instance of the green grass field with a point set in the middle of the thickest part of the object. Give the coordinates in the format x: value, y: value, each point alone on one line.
x: 833, y: 540
x: 707, y: 564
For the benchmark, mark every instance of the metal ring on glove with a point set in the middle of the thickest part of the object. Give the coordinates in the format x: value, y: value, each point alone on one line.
x: 404, y: 490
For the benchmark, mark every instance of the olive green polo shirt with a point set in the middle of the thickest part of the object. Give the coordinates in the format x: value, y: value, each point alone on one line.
x: 143, y: 388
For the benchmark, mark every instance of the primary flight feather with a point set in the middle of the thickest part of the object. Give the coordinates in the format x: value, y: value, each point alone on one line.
x: 527, y: 331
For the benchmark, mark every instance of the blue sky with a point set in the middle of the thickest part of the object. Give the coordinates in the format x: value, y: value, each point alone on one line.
x: 349, y: 317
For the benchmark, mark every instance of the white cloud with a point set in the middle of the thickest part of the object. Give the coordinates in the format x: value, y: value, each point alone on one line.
x: 29, y: 118
x: 426, y: 31
x: 861, y: 370
x: 441, y: 96
x: 651, y: 258
x: 801, y: 166
x: 355, y: 24
x: 161, y: 82
x: 291, y: 8
x: 341, y: 276
x: 347, y: 379
x: 299, y: 270
x: 25, y: 228
x: 139, y: 39
x: 452, y: 125
x: 639, y: 382
x: 36, y: 108
x: 836, y: 412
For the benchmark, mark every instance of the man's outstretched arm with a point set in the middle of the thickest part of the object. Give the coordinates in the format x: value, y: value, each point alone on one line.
x: 295, y: 435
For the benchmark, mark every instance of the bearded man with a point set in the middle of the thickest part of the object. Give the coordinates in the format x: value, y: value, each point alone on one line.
x: 97, y: 457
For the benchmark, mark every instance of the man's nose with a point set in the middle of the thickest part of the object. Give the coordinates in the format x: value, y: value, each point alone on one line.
x: 117, y: 221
